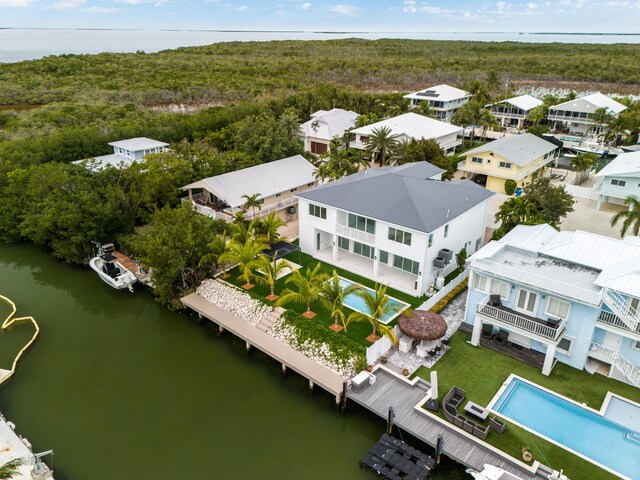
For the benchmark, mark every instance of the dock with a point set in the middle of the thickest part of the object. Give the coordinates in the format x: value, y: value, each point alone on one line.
x: 143, y: 275
x: 407, y: 397
x: 313, y: 371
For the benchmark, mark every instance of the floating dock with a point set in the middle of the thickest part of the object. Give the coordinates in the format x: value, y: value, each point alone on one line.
x: 392, y: 459
x: 406, y: 397
x: 313, y: 371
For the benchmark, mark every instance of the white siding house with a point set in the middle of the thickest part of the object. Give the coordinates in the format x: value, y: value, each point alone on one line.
x: 410, y: 126
x: 619, y: 179
x: 125, y: 152
x: 444, y: 100
x: 513, y: 112
x: 324, y: 126
x: 574, y: 116
x: 390, y: 224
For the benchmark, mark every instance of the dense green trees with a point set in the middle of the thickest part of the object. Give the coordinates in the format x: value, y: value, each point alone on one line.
x: 424, y: 151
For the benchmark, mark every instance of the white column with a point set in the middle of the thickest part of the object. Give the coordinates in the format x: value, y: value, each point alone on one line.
x: 376, y: 263
x: 599, y: 202
x: 548, y: 359
x: 477, y: 330
x: 421, y: 278
x: 334, y: 252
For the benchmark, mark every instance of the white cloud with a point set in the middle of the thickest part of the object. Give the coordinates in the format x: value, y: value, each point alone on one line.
x: 15, y: 3
x: 532, y: 6
x: 411, y: 6
x: 305, y: 6
x: 101, y: 10
x: 344, y: 9
x: 242, y: 8
x: 66, y: 4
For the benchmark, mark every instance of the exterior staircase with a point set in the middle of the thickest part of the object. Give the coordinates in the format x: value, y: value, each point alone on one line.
x: 622, y: 309
x: 267, y: 322
x: 621, y: 368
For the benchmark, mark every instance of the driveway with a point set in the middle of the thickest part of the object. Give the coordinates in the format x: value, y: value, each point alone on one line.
x: 585, y: 217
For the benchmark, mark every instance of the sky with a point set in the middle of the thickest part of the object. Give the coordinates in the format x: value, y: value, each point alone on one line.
x: 342, y: 15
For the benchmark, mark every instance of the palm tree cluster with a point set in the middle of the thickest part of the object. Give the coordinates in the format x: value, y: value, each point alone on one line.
x: 340, y: 161
x: 630, y: 218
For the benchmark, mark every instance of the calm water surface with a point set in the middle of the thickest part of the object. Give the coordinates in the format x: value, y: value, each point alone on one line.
x: 121, y: 388
x: 28, y: 44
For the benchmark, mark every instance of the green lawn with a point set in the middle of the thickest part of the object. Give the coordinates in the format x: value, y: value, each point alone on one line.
x: 480, y: 372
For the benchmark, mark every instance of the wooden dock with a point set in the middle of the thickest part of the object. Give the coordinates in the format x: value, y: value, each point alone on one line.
x: 143, y: 275
x: 316, y: 373
x: 406, y: 397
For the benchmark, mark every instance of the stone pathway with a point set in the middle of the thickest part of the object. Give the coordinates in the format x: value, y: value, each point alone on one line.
x: 267, y: 322
x: 454, y: 313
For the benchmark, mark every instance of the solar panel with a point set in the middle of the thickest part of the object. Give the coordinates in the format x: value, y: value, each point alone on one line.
x: 428, y: 93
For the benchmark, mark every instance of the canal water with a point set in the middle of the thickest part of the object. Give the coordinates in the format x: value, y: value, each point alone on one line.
x: 122, y: 388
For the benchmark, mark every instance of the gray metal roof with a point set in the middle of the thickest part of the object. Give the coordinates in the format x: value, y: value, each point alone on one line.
x: 519, y: 149
x: 407, y: 196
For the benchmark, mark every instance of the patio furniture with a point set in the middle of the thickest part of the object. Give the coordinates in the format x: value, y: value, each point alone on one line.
x: 487, y: 330
x: 469, y: 425
x: 476, y: 410
x: 494, y: 301
x: 361, y: 381
x: 480, y: 431
x: 553, y: 322
x: 497, y: 425
x: 502, y: 336
x: 446, y: 341
x: 458, y: 421
x: 426, y: 327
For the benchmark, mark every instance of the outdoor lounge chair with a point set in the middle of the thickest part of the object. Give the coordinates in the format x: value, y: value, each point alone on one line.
x: 494, y: 300
x: 480, y: 431
x: 487, y: 330
x: 497, y: 425
x: 469, y: 425
x: 502, y: 337
x: 458, y: 421
x: 553, y: 322
x: 450, y: 412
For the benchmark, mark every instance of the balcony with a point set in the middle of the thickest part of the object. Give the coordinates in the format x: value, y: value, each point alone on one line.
x: 579, y: 118
x: 511, y: 318
x: 229, y: 215
x: 614, y: 320
x: 355, y: 234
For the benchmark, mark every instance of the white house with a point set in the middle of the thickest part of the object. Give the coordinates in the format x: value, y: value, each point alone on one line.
x: 125, y: 152
x: 619, y: 179
x: 324, y: 126
x: 410, y: 126
x: 574, y: 116
x: 570, y: 297
x: 513, y: 112
x: 400, y: 226
x: 274, y: 182
x: 444, y: 100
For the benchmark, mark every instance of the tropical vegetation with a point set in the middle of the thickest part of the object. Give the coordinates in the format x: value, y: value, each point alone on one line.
x: 630, y: 218
x: 377, y: 308
x: 306, y: 288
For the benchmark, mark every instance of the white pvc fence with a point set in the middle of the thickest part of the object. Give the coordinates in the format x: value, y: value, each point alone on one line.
x: 581, y: 192
x: 378, y: 349
x: 444, y: 291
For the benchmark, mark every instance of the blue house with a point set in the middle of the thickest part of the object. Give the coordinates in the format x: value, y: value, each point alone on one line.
x: 572, y: 296
x: 125, y: 152
x: 619, y: 179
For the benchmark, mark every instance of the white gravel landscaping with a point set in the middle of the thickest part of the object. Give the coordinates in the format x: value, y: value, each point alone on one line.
x: 320, y: 352
x: 234, y: 300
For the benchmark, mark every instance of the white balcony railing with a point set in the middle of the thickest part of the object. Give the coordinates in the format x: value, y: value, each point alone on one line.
x: 630, y: 372
x: 208, y: 211
x: 525, y: 172
x: 267, y: 209
x: 600, y: 352
x: 507, y: 317
x: 568, y: 118
x: 228, y: 214
x: 355, y: 234
x: 623, y: 309
x: 614, y: 320
x: 540, y: 282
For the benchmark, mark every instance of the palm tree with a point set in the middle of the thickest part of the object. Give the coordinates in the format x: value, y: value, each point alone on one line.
x: 600, y: 117
x: 582, y: 163
x: 307, y: 288
x: 377, y: 307
x: 617, y: 130
x: 631, y: 217
x: 290, y: 123
x: 242, y: 230
x: 10, y: 469
x: 251, y: 202
x: 537, y: 114
x: 271, y: 268
x: 323, y: 172
x: 474, y: 114
x: 332, y: 296
x: 245, y: 256
x: 267, y: 228
x: 381, y: 143
x: 424, y: 108
x: 216, y: 249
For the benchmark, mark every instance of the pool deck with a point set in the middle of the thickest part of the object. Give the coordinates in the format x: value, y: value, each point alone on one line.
x: 406, y: 397
x: 316, y: 373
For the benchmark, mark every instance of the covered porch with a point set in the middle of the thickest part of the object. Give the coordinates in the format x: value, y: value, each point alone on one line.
x: 366, y: 267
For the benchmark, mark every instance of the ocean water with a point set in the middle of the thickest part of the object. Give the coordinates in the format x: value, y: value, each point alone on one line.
x: 28, y: 44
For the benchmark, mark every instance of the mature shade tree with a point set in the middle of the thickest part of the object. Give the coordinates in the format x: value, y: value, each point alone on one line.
x: 377, y: 307
x: 381, y: 143
x: 424, y: 151
x: 216, y: 248
x: 305, y: 288
x: 630, y: 218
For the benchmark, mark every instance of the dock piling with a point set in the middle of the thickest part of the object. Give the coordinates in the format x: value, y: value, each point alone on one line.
x: 248, y: 345
x: 284, y: 368
x: 390, y: 417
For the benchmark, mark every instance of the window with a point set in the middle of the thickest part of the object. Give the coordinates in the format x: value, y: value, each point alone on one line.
x: 309, y: 184
x: 318, y: 148
x: 406, y: 264
x: 476, y: 160
x: 278, y: 194
x: 635, y: 344
x: 384, y: 257
x: 362, y: 223
x: 343, y: 243
x: 527, y: 301
x: 317, y: 211
x: 501, y: 288
x: 480, y: 283
x: 618, y: 183
x: 362, y: 249
x: 504, y: 165
x: 430, y: 239
x: 293, y: 190
x: 446, y: 230
x: 564, y: 346
x: 557, y: 308
x: 399, y: 236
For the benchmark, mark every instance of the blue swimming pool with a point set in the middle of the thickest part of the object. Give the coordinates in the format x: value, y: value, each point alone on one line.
x: 354, y: 302
x: 571, y: 139
x: 579, y: 429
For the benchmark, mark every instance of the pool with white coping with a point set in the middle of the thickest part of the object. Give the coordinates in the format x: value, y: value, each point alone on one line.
x: 357, y: 304
x: 611, y: 441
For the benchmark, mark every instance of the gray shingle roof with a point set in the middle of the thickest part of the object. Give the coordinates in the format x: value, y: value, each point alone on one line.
x: 405, y: 196
x: 519, y: 149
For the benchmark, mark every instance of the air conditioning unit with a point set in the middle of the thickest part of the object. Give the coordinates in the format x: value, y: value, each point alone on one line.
x: 439, y: 262
x: 291, y: 210
x: 446, y: 254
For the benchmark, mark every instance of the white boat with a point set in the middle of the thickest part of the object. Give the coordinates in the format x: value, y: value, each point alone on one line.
x: 597, y: 148
x: 111, y: 271
x: 491, y: 472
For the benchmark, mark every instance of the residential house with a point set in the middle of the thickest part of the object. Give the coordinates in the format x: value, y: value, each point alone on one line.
x: 125, y: 152
x: 514, y: 112
x: 324, y: 126
x: 444, y: 100
x: 410, y: 126
x: 274, y: 182
x: 514, y: 157
x: 399, y: 226
x: 574, y: 116
x: 570, y: 297
x: 619, y: 179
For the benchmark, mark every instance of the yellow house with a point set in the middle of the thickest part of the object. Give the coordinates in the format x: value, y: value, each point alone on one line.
x: 516, y: 157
